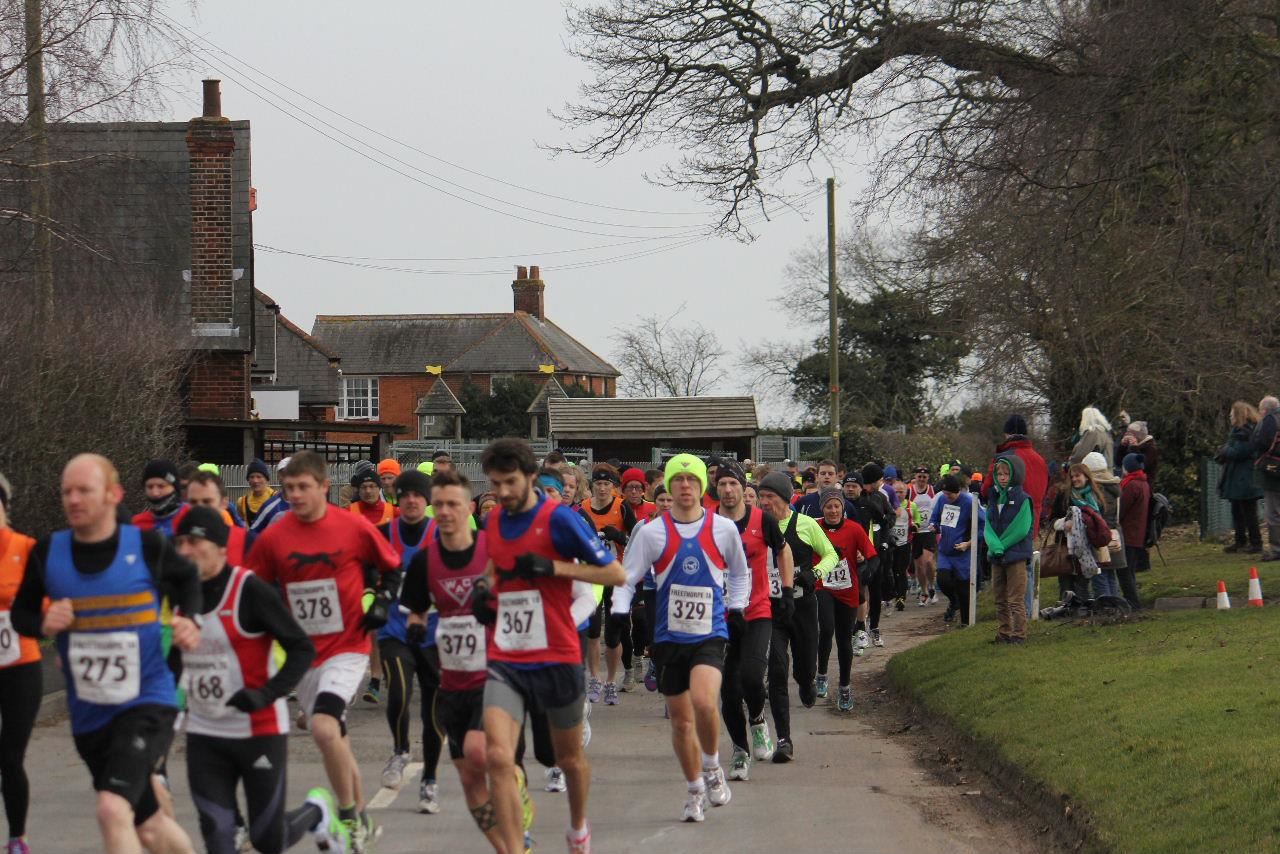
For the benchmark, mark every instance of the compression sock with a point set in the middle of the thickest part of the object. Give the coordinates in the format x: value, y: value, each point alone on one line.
x: 710, y: 761
x: 301, y: 821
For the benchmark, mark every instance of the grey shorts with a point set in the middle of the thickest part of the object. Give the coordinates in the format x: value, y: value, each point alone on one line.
x: 556, y: 690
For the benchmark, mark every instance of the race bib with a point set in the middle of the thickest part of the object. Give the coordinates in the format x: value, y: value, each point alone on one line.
x: 775, y: 582
x: 106, y: 668
x: 460, y: 641
x: 689, y: 609
x: 950, y: 515
x: 839, y: 578
x: 210, y: 682
x: 900, y: 533
x: 315, y: 605
x: 521, y: 622
x: 9, y: 649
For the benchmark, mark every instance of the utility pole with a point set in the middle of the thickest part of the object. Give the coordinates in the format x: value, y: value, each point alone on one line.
x: 40, y: 200
x: 833, y: 345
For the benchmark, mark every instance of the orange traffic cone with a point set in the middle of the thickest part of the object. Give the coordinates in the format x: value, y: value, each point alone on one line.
x: 1224, y: 603
x: 1255, y: 588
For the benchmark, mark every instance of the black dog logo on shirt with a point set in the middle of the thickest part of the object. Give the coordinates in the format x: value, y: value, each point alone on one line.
x: 302, y: 561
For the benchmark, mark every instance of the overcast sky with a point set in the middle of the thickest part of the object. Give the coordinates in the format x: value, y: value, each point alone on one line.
x: 473, y: 84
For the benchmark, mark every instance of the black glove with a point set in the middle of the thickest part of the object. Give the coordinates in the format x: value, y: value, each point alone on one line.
x: 737, y: 622
x: 415, y: 634
x: 613, y: 535
x: 784, y: 607
x: 379, y: 612
x: 249, y: 700
x: 531, y: 566
x: 481, y: 603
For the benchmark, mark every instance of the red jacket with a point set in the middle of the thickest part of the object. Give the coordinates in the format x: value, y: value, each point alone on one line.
x: 1135, y: 496
x: 1035, y: 481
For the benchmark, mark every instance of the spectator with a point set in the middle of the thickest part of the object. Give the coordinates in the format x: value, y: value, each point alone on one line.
x: 1010, y: 518
x: 1036, y: 472
x: 1264, y: 442
x: 1107, y: 485
x: 1236, y: 483
x: 1094, y: 436
x: 1135, y: 501
x: 1137, y: 440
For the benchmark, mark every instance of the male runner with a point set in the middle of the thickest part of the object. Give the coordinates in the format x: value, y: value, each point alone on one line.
x: 403, y: 659
x: 828, y: 475
x: 105, y: 582
x: 747, y: 656
x: 258, y: 500
x: 388, y: 471
x: 877, y: 518
x: 924, y: 546
x: 794, y: 625
x: 703, y: 586
x: 441, y: 461
x: 205, y: 489
x: 237, y: 718
x: 709, y: 498
x: 441, y: 572
x: 634, y: 484
x: 164, y: 499
x: 614, y: 518
x: 536, y: 658
x: 317, y: 556
x: 368, y: 501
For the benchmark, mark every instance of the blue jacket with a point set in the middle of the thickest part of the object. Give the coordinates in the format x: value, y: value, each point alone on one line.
x: 953, y: 528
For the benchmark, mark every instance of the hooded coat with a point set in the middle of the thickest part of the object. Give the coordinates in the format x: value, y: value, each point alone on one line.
x: 1035, y: 480
x: 1011, y: 515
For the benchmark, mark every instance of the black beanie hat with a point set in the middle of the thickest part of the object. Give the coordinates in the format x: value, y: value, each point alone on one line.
x: 413, y: 481
x: 163, y: 469
x: 364, y: 475
x: 730, y: 468
x: 951, y: 483
x: 1015, y: 425
x: 871, y: 473
x: 205, y: 523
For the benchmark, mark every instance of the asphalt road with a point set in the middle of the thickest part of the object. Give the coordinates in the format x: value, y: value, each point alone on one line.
x: 851, y: 788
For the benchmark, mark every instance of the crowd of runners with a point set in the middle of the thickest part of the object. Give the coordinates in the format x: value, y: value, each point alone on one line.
x: 712, y: 581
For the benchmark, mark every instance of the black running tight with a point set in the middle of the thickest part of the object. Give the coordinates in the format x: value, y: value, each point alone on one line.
x: 840, y: 618
x: 20, y: 688
x: 400, y: 664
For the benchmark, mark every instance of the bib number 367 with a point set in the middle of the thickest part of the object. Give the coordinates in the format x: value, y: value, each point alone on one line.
x: 521, y: 623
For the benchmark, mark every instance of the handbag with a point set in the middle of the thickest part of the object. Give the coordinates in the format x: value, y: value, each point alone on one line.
x: 1054, y: 558
x: 1269, y: 462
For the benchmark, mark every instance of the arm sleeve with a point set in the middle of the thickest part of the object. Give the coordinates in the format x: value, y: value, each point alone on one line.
x: 584, y: 602
x: 176, y: 577
x: 262, y: 610
x: 738, y: 574
x: 414, y: 592
x: 259, y: 558
x: 628, y: 518
x: 935, y: 514
x: 813, y: 536
x: 28, y: 605
x: 378, y: 551
x: 863, y: 543
x: 573, y: 539
x: 773, y: 535
x: 645, y: 547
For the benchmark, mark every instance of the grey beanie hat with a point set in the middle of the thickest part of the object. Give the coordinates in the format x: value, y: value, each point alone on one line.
x: 827, y: 493
x: 778, y: 483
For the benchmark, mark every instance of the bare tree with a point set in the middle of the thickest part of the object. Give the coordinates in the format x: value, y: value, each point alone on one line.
x: 660, y: 359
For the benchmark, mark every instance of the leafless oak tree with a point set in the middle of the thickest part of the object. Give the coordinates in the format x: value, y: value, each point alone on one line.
x: 659, y: 358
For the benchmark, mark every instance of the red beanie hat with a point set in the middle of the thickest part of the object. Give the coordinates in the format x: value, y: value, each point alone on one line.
x: 635, y: 475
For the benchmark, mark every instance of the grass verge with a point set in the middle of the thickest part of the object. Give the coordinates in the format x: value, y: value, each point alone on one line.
x: 1163, y: 730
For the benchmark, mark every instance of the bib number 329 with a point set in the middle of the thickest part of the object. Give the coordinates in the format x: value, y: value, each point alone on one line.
x: 521, y: 622
x: 689, y: 609
x: 105, y: 667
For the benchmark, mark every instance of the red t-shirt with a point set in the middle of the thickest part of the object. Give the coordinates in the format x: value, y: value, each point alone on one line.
x: 850, y: 541
x: 319, y: 566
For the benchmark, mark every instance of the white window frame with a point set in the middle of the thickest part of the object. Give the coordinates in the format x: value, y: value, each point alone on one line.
x: 367, y: 405
x: 497, y: 381
x: 425, y: 421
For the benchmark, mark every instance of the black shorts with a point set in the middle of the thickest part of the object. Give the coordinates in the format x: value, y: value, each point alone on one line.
x: 555, y: 690
x: 124, y: 754
x: 924, y: 541
x: 675, y: 661
x: 457, y: 713
x: 595, y: 622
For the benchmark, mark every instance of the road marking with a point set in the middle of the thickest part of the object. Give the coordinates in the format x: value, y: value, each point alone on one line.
x: 386, y: 797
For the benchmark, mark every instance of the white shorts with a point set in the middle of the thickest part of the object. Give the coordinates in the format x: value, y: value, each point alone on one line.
x: 341, y: 675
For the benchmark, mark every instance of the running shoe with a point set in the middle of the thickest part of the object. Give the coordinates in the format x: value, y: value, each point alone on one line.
x: 527, y: 809
x: 593, y: 690
x: 923, y: 600
x: 555, y: 780
x: 899, y: 604
x: 761, y: 744
x: 784, y: 752
x: 586, y: 724
x: 330, y: 834
x: 610, y: 694
x: 579, y: 845
x: 19, y: 846
x: 372, y: 693
x: 695, y: 806
x: 717, y: 789
x: 807, y: 695
x: 876, y: 640
x: 858, y: 649
x: 364, y: 833
x: 242, y: 842
x: 949, y: 614
x: 739, y: 765
x: 628, y: 682
x: 933, y: 597
x: 821, y: 686
x: 528, y: 842
x: 393, y: 774
x: 428, y: 798
x: 861, y: 638
x: 301, y: 721
x: 651, y: 677
x: 845, y: 703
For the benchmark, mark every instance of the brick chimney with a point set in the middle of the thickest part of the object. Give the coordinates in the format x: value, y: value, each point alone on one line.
x: 210, y: 143
x: 528, y: 288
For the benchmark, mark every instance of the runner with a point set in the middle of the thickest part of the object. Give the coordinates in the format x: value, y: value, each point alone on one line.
x: 924, y: 547
x: 317, y: 557
x: 105, y: 581
x: 388, y: 471
x: 206, y: 490
x: 747, y: 657
x: 237, y: 717
x: 838, y: 591
x: 709, y: 498
x: 442, y: 461
x: 164, y: 498
x: 614, y: 518
x: 795, y: 623
x: 20, y: 680
x: 906, y: 522
x: 536, y: 658
x: 368, y: 501
x: 402, y: 659
x: 633, y: 491
x: 696, y: 607
x: 828, y: 475
x: 878, y: 520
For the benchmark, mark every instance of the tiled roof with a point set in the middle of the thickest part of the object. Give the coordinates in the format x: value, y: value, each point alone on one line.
x: 549, y: 389
x: 439, y: 401
x: 293, y: 356
x: 652, y: 417
x: 512, y: 342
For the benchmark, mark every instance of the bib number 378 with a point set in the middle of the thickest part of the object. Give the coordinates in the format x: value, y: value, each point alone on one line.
x: 315, y: 605
x: 521, y: 622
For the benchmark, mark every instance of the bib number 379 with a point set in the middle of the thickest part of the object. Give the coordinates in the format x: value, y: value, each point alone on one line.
x: 521, y: 622
x: 460, y: 641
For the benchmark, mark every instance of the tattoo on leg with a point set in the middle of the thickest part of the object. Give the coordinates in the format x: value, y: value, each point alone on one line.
x: 485, y: 819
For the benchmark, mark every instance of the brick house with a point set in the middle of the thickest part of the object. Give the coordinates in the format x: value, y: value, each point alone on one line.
x: 287, y: 359
x: 390, y: 362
